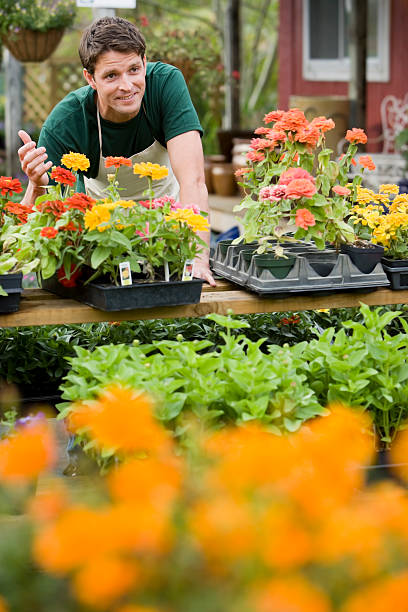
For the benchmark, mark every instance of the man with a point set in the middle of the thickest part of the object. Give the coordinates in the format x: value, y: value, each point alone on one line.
x: 129, y: 108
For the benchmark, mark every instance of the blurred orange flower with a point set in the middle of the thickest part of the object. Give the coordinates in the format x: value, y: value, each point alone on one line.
x: 3, y: 605
x: 386, y: 594
x: 121, y: 419
x: 48, y: 504
x: 102, y: 581
x: 399, y: 454
x: 27, y: 452
x: 290, y: 594
x: 356, y: 136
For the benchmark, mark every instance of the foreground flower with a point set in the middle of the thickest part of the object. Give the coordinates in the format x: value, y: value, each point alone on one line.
x: 154, y: 171
x: 75, y: 161
x: 97, y: 215
x: 27, y: 453
x: 304, y: 218
x: 8, y: 186
x: 290, y: 594
x: 80, y: 201
x: 122, y: 419
x: 20, y: 211
x: 116, y: 162
x: 295, y: 173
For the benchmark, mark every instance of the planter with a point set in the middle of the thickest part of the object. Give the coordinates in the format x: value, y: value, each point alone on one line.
x: 223, y: 179
x: 12, y: 284
x: 138, y: 295
x: 397, y: 272
x: 365, y: 258
x: 32, y: 45
x: 279, y: 267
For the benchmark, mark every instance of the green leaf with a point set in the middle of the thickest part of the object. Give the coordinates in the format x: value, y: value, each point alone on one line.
x: 100, y: 254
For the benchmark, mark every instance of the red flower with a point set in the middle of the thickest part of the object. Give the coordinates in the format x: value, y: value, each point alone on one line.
x: 8, y: 186
x: 64, y: 176
x: 55, y: 207
x: 71, y: 227
x: 236, y: 75
x: 304, y: 218
x: 19, y: 210
x: 49, y: 232
x: 71, y: 281
x: 356, y: 136
x: 144, y: 22
x: 367, y: 162
x: 80, y: 201
x: 117, y: 162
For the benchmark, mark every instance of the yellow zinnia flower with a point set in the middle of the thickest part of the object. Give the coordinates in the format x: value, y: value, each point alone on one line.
x: 186, y: 215
x: 97, y: 215
x: 154, y: 171
x: 75, y: 161
x: 389, y: 188
x: 125, y: 203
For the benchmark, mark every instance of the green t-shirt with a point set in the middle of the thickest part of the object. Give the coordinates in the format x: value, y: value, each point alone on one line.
x: 72, y: 124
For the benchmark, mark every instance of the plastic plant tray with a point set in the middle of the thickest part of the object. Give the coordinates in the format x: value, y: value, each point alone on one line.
x: 302, y: 278
x: 398, y: 276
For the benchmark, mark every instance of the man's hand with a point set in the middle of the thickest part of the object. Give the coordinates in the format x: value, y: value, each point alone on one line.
x: 33, y: 161
x: 202, y: 270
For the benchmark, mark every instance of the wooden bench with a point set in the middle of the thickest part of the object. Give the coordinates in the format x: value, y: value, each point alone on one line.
x: 39, y: 307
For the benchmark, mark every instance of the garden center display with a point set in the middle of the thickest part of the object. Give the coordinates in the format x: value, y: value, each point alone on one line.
x: 77, y: 245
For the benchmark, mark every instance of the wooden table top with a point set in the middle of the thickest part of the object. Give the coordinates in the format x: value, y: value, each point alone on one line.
x: 39, y: 307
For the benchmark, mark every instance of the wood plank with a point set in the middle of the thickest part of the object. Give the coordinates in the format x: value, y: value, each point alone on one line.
x: 42, y: 308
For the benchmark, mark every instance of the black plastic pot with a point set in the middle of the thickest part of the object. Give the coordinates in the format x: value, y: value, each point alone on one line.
x: 397, y: 272
x: 12, y: 284
x: 365, y: 258
x: 138, y: 295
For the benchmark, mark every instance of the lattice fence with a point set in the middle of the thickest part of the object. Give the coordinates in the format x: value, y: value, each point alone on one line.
x: 45, y: 84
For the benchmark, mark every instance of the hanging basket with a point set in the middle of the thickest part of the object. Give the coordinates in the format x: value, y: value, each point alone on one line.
x: 32, y: 45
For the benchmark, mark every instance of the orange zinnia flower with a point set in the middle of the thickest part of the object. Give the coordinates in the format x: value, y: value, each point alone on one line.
x: 367, y: 162
x: 273, y: 116
x: 63, y: 176
x: 102, y: 581
x: 19, y: 210
x: 258, y: 144
x: 117, y: 162
x: 241, y: 172
x: 323, y: 123
x: 292, y: 120
x: 27, y: 453
x: 49, y: 232
x: 309, y: 135
x: 356, y: 136
x: 304, y: 218
x: 340, y: 190
x: 80, y: 201
x: 55, y: 207
x: 255, y: 156
x: 8, y: 186
x: 300, y: 188
x: 290, y: 594
x: 122, y: 419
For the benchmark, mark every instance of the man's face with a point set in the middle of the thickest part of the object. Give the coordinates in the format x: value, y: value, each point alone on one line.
x: 119, y: 79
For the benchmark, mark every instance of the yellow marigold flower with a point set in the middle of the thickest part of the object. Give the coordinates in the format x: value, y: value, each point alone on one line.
x: 185, y: 215
x: 389, y: 593
x: 102, y: 581
x: 75, y: 161
x: 97, y: 215
x: 154, y: 171
x: 389, y: 188
x: 381, y: 198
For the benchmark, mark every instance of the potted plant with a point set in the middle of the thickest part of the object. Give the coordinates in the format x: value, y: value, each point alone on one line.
x: 79, y: 244
x: 383, y: 218
x: 31, y: 31
x: 294, y: 190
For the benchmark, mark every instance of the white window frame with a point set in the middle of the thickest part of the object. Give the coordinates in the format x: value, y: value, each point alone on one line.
x: 378, y: 69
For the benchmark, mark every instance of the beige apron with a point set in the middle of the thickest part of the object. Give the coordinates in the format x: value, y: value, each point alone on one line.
x: 133, y: 186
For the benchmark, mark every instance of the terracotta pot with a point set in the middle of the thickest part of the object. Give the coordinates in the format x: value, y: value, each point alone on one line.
x: 223, y: 180
x: 32, y: 45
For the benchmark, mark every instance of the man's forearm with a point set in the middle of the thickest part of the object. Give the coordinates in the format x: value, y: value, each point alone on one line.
x: 31, y: 194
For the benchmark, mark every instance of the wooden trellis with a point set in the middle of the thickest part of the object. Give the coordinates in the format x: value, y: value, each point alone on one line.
x: 45, y: 84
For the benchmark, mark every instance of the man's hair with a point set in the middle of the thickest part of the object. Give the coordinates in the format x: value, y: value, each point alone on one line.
x: 109, y: 34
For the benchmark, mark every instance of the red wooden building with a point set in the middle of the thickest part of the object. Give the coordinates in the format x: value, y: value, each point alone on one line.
x: 313, y: 54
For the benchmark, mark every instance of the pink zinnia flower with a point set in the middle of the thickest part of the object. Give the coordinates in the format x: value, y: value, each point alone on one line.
x: 295, y: 173
x: 300, y: 188
x: 340, y: 190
